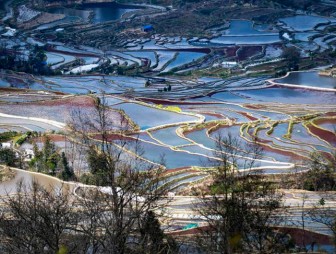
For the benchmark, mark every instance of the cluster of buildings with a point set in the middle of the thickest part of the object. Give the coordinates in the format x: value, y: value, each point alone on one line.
x: 26, y: 153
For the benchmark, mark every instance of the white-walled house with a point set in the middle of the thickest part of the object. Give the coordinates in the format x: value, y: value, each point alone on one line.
x: 28, y: 154
x: 5, y: 145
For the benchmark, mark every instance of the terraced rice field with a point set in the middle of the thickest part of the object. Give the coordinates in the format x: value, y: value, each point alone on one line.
x: 183, y: 129
x: 289, y: 117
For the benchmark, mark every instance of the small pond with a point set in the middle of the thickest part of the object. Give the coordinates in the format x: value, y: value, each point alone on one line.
x: 102, y: 12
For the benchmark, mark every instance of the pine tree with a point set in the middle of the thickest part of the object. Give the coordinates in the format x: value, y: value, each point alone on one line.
x: 67, y: 172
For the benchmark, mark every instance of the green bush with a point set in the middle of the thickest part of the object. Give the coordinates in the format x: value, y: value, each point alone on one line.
x: 22, y: 139
x: 6, y: 136
x: 7, y: 156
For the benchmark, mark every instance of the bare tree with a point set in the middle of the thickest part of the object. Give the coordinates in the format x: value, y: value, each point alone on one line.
x: 303, y: 215
x: 321, y: 172
x: 324, y: 213
x: 37, y: 220
x: 116, y: 223
x: 321, y: 177
x: 241, y: 204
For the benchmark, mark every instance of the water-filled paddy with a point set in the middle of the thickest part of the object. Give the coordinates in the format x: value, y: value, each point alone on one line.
x: 144, y: 54
x: 331, y: 126
x: 164, y: 58
x: 246, y: 40
x: 290, y: 96
x: 144, y: 136
x: 172, y: 159
x: 282, y: 146
x: 90, y: 60
x: 123, y: 58
x: 305, y: 36
x: 320, y: 41
x: 280, y: 130
x: 54, y: 58
x: 23, y: 97
x: 243, y: 32
x: 29, y: 124
x: 111, y: 100
x: 304, y: 22
x: 83, y: 68
x: 230, y: 97
x: 309, y: 78
x: 174, y: 177
x: 69, y: 50
x: 183, y: 183
x: 197, y: 150
x: 301, y: 134
x: 277, y: 137
x: 66, y: 20
x: 200, y: 137
x: 149, y: 117
x: 184, y: 58
x: 4, y: 83
x: 168, y: 136
x: 84, y: 15
x: 223, y: 111
x: 5, y: 128
x: 233, y: 130
x: 242, y: 27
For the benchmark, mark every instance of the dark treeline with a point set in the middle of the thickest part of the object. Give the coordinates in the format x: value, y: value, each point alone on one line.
x: 34, y: 63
